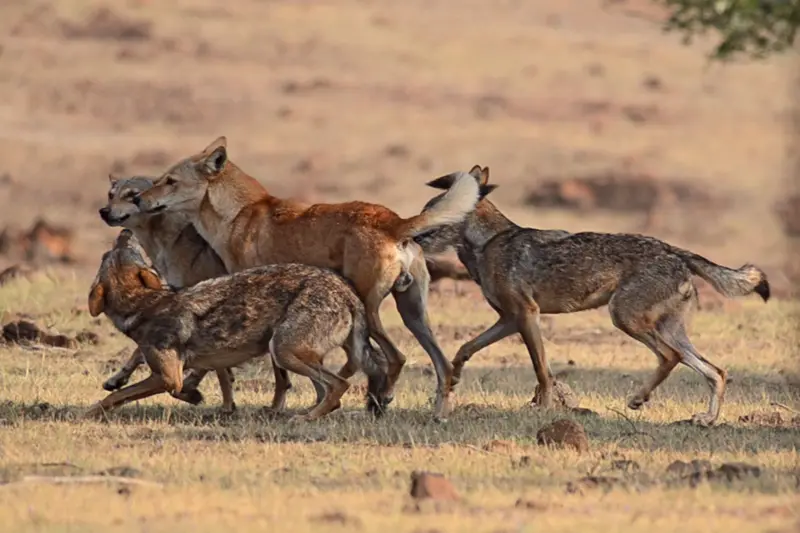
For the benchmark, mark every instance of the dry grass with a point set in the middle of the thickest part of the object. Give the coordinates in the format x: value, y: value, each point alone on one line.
x: 332, y: 101
x: 350, y: 472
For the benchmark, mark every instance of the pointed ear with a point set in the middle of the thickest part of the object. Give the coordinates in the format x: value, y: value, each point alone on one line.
x: 484, y: 191
x: 97, y: 300
x: 214, y: 162
x: 484, y: 175
x: 219, y: 142
x: 444, y: 182
x: 150, y: 280
x: 113, y: 178
x: 480, y: 174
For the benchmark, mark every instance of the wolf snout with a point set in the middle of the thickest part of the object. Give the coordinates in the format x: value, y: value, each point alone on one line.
x: 104, y: 212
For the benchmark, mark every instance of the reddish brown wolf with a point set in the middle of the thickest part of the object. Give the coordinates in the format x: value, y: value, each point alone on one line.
x: 369, y: 244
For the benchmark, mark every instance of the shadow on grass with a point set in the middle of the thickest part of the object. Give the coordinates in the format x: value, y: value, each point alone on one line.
x: 743, y: 385
x: 468, y: 424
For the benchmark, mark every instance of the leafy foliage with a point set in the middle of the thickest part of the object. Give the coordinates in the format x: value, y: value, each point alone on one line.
x: 750, y: 28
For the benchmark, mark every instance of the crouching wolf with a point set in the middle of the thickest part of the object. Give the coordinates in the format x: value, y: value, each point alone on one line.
x: 182, y: 258
x: 295, y: 312
x: 646, y: 283
x: 368, y: 244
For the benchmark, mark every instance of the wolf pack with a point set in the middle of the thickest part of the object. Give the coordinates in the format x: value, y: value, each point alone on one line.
x: 210, y: 270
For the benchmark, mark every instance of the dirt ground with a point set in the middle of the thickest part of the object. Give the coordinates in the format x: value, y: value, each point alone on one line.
x: 589, y: 118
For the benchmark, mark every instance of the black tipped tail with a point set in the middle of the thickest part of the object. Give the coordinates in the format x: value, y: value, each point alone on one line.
x: 730, y: 282
x: 762, y: 289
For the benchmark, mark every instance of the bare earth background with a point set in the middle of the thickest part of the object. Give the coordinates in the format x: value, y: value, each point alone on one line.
x: 333, y: 101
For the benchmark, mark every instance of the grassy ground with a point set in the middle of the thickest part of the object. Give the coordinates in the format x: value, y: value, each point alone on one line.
x: 348, y: 472
x: 334, y: 101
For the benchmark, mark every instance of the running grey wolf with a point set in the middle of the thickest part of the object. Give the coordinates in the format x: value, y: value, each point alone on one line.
x: 297, y: 313
x: 646, y: 283
x: 182, y: 258
x: 367, y: 243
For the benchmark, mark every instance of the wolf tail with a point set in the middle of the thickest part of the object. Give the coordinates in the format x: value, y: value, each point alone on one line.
x: 373, y: 362
x: 456, y: 204
x: 729, y: 282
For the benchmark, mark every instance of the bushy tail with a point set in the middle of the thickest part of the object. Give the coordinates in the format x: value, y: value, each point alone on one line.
x: 373, y: 362
x: 727, y: 281
x: 456, y: 204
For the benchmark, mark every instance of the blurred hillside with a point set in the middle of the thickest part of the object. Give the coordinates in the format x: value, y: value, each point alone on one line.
x: 589, y: 117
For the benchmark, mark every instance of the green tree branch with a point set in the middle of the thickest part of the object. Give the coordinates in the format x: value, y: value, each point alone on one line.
x: 749, y: 28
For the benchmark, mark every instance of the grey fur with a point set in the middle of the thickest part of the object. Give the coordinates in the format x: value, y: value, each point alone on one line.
x: 646, y: 283
x: 180, y: 255
x: 297, y: 313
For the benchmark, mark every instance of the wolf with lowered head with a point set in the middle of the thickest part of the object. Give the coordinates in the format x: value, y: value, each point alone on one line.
x: 297, y: 313
x: 182, y: 258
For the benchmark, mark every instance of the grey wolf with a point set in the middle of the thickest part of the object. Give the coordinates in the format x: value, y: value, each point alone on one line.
x: 368, y: 244
x: 646, y: 283
x: 181, y: 257
x: 297, y: 313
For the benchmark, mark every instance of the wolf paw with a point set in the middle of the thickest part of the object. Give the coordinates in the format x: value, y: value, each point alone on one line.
x: 637, y: 402
x: 703, y: 420
x: 112, y: 384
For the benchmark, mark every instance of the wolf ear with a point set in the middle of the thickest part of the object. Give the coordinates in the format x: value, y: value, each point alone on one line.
x: 480, y: 174
x: 219, y: 142
x: 150, y: 280
x: 113, y: 178
x: 97, y: 300
x: 213, y: 163
x: 214, y: 156
x: 484, y: 190
x: 444, y: 182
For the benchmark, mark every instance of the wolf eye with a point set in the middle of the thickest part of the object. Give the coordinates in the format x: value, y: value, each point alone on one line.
x: 131, y: 194
x: 171, y: 180
x: 110, y: 196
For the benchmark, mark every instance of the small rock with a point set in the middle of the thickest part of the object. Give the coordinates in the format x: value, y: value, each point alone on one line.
x: 531, y: 505
x: 583, y: 411
x: 499, y: 446
x: 731, y: 471
x: 429, y: 485
x: 87, y: 337
x: 397, y: 150
x: 59, y: 341
x: 22, y: 331
x: 593, y: 482
x: 15, y: 272
x: 625, y: 465
x: 564, y: 433
x: 682, y: 468
x: 338, y: 517
x: 563, y: 395
x: 775, y: 418
x: 652, y: 83
x: 121, y: 471
x: 522, y: 462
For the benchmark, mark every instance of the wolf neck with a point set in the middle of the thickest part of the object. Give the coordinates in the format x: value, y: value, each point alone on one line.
x: 158, y: 234
x: 227, y: 196
x: 127, y: 312
x: 483, y: 224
